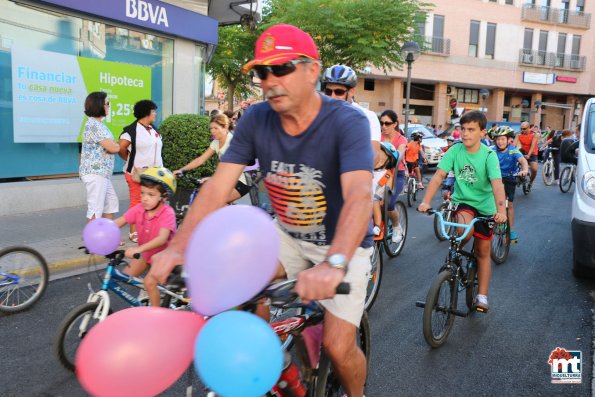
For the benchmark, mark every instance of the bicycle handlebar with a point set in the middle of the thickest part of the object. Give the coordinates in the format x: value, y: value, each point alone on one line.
x: 282, y: 294
x: 467, y: 227
x: 118, y: 254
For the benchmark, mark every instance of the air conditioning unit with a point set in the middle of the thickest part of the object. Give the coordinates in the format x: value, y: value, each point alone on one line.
x: 451, y: 90
x: 527, y: 58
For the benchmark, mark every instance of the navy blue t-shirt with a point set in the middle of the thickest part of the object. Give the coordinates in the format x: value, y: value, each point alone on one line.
x: 302, y: 172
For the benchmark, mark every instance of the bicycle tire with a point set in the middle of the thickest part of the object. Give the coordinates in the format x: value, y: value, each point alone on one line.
x: 375, y: 276
x: 64, y: 352
x: 445, y: 306
x: 410, y: 192
x: 500, y: 246
x: 30, y: 289
x: 394, y: 249
x: 566, y: 179
x: 548, y: 173
x: 471, y: 285
x: 327, y: 383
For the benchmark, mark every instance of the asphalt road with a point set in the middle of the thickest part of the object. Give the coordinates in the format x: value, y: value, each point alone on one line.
x: 536, y: 305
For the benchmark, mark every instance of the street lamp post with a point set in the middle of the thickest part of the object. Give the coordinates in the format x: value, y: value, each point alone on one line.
x: 484, y: 93
x: 410, y: 51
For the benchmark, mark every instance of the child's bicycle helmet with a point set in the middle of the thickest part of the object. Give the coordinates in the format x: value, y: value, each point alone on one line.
x: 392, y: 153
x: 415, y: 135
x: 503, y: 131
x: 162, y: 176
x: 340, y: 74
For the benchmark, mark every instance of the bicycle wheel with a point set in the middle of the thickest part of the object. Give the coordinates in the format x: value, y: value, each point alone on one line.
x: 327, y: 383
x: 375, y: 277
x: 410, y: 191
x: 438, y: 311
x: 72, y: 331
x: 24, y: 277
x: 394, y: 249
x: 548, y: 173
x: 565, y: 179
x: 471, y: 286
x: 500, y: 243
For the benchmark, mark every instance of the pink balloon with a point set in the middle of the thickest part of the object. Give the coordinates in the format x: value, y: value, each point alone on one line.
x: 139, y: 351
x: 231, y: 257
x: 101, y: 236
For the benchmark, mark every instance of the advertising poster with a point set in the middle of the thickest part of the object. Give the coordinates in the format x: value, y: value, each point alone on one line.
x: 49, y: 91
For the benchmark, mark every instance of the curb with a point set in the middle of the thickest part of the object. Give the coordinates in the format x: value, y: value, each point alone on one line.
x: 69, y: 264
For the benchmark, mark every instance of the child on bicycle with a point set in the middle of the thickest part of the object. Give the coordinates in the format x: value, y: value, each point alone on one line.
x: 509, y: 157
x: 155, y: 221
x: 448, y: 185
x: 412, y: 156
x: 478, y: 192
x: 388, y: 158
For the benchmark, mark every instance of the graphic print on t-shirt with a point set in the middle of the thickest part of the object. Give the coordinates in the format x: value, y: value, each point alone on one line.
x: 467, y: 174
x: 297, y: 196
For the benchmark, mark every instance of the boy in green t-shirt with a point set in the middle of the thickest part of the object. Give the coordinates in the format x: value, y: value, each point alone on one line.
x: 478, y: 192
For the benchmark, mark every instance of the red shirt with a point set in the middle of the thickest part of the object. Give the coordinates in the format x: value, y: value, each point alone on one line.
x: 148, y: 227
x: 525, y: 141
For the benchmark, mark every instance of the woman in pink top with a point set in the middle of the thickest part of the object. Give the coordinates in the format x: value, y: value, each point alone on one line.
x: 456, y: 133
x: 389, y: 122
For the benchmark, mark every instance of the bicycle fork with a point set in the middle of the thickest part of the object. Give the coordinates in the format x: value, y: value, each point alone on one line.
x: 101, y: 311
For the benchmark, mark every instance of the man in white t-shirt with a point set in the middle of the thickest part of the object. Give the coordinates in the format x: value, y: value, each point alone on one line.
x: 339, y: 82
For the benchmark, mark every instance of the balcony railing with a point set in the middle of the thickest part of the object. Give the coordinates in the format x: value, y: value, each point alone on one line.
x: 552, y: 60
x: 532, y: 12
x: 437, y: 45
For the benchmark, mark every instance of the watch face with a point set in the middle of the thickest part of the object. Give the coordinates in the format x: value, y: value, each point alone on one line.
x: 337, y: 260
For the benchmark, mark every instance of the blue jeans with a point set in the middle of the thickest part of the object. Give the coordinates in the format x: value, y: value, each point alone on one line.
x: 399, y: 185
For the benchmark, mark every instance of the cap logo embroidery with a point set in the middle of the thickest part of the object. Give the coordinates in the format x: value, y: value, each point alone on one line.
x: 268, y: 44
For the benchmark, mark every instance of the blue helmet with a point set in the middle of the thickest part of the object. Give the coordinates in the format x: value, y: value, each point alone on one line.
x: 340, y: 74
x: 391, y: 152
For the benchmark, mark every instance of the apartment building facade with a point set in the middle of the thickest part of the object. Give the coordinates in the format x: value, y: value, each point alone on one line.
x: 535, y: 58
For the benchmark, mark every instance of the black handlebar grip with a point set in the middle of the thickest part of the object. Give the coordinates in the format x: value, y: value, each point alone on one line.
x: 343, y: 289
x: 136, y: 256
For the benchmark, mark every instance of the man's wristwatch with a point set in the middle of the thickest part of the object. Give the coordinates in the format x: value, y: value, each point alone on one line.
x: 338, y: 261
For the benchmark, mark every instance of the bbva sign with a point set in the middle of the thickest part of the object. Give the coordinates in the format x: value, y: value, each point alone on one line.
x: 145, y: 11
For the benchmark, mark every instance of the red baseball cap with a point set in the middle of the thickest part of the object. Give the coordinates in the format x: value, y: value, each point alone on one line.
x: 280, y: 44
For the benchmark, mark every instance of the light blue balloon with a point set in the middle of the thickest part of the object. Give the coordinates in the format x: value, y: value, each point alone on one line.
x: 237, y: 354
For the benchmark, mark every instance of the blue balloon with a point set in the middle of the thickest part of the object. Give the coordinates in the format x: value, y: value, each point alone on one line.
x: 237, y: 354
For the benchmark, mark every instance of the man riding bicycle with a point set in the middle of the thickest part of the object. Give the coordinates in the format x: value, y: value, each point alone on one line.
x: 528, y: 142
x: 318, y: 168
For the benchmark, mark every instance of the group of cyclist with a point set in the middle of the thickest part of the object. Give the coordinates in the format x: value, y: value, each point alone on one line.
x: 327, y: 163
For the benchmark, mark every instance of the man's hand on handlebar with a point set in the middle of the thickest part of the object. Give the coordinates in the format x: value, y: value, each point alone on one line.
x: 319, y: 282
x: 163, y: 263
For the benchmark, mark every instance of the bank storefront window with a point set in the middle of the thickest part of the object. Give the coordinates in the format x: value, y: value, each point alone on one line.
x: 49, y: 62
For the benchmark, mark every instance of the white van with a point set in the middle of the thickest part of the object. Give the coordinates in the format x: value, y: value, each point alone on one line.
x: 583, y: 202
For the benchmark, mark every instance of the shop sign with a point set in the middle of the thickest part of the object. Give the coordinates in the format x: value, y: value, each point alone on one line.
x: 150, y: 14
x: 48, y: 97
x: 566, y: 79
x: 538, y: 78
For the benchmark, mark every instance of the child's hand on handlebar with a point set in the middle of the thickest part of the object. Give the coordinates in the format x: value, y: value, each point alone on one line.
x: 129, y: 253
x: 500, y: 217
x: 423, y: 207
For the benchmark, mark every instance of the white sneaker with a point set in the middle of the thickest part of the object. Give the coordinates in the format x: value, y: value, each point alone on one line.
x: 397, y: 236
x: 376, y: 230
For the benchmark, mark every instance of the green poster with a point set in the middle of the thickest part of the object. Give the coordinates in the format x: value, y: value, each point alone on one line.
x: 125, y: 84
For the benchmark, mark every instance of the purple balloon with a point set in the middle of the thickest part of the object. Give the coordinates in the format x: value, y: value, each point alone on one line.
x: 101, y: 236
x: 231, y: 257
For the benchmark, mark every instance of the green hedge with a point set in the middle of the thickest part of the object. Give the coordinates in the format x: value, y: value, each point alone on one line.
x: 185, y: 137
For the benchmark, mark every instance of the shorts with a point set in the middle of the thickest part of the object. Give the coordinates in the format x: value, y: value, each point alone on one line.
x: 532, y: 158
x: 448, y: 183
x: 242, y: 188
x: 101, y: 196
x: 481, y: 229
x: 297, y: 255
x: 412, y: 165
x: 509, y: 189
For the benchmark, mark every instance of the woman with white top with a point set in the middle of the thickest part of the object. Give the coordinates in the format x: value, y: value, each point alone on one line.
x: 97, y: 159
x: 140, y: 146
x: 221, y: 139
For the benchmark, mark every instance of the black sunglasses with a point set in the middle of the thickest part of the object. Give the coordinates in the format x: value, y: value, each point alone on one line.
x: 262, y: 71
x: 387, y: 123
x: 524, y: 129
x: 336, y: 91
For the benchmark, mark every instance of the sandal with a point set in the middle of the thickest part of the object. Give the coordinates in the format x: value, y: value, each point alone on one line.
x: 133, y: 237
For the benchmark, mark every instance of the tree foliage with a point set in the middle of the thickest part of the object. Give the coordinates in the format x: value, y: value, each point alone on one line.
x: 356, y: 33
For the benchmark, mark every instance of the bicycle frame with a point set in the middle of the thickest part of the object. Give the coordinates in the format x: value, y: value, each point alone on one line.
x: 466, y: 227
x: 8, y: 279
